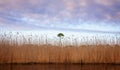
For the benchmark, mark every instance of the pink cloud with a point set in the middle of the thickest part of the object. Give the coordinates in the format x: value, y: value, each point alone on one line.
x: 51, y: 11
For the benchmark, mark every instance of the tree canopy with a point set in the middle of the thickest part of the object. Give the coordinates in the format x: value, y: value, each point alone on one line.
x: 60, y: 35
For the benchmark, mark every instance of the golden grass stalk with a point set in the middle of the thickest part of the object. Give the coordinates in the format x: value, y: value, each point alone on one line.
x: 19, y: 49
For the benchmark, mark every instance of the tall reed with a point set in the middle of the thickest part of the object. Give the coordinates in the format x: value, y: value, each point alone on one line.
x: 19, y: 48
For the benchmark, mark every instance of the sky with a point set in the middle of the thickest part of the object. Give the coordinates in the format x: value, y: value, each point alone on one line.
x: 66, y: 15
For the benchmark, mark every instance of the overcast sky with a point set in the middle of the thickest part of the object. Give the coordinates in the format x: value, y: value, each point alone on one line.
x: 71, y: 15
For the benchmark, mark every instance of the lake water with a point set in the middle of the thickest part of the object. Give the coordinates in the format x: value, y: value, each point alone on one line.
x: 59, y: 67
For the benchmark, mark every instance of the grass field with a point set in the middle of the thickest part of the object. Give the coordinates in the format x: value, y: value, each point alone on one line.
x: 11, y: 51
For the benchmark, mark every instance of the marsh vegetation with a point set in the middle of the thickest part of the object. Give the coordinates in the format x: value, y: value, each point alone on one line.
x: 19, y: 48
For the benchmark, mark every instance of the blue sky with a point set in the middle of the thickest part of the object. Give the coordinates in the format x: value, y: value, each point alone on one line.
x: 70, y: 15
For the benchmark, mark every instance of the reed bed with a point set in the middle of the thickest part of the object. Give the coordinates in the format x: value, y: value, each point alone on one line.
x: 56, y: 54
x: 16, y: 48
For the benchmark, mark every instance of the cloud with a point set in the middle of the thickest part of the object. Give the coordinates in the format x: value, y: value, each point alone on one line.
x: 60, y: 13
x: 105, y: 2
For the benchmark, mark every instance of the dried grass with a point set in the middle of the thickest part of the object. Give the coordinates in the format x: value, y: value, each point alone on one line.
x: 12, y: 52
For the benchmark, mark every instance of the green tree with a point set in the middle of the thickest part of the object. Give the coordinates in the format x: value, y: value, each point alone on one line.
x: 60, y: 35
